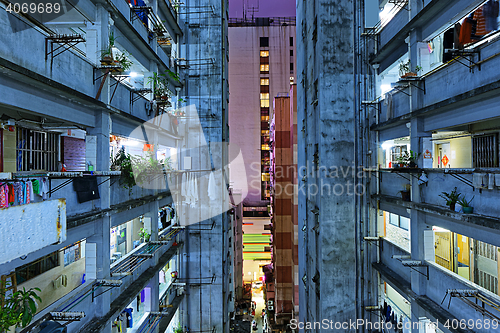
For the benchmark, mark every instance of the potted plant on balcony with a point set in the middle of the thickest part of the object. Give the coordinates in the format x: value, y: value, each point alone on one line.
x: 144, y: 235
x: 159, y: 85
x: 124, y: 62
x: 466, y: 207
x: 409, y: 159
x: 405, y: 70
x: 19, y: 308
x: 451, y: 198
x: 123, y: 162
x: 405, y: 193
x: 107, y: 53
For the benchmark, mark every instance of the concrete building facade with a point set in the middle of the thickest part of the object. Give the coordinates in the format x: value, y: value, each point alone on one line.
x: 81, y: 85
x: 284, y: 210
x: 407, y: 108
x: 262, y: 66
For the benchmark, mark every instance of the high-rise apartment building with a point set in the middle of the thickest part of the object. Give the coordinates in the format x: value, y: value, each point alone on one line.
x: 262, y: 68
x: 398, y: 121
x: 114, y: 115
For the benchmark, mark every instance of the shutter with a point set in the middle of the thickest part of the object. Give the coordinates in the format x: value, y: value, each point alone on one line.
x: 74, y: 153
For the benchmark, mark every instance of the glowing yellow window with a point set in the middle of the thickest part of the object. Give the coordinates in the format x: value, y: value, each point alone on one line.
x: 264, y: 82
x: 264, y: 68
x: 264, y: 103
x: 264, y: 53
x: 264, y: 96
x: 265, y: 177
x: 264, y: 118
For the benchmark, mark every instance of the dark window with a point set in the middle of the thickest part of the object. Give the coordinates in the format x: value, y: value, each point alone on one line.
x: 37, y: 150
x: 264, y: 41
x: 35, y: 268
x: 485, y: 151
x: 291, y: 41
x: 291, y: 53
x: 291, y: 66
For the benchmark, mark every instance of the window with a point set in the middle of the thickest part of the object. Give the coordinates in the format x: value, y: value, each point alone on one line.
x: 291, y: 53
x: 37, y: 267
x: 264, y: 132
x: 291, y: 66
x: 399, y: 221
x: 264, y: 103
x: 264, y: 53
x: 264, y: 82
x: 396, y: 152
x: 72, y: 253
x: 37, y: 150
x: 264, y: 68
x: 264, y: 118
x: 264, y: 96
x: 291, y: 41
x: 264, y: 41
x: 485, y: 151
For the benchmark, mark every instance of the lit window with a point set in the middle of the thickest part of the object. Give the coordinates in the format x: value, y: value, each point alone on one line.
x: 264, y: 68
x: 264, y: 103
x: 264, y: 118
x: 264, y: 53
x: 264, y: 147
x: 264, y: 96
x: 264, y: 82
x: 264, y: 132
x: 265, y: 177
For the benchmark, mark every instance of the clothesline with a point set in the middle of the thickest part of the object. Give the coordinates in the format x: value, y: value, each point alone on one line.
x: 22, y: 192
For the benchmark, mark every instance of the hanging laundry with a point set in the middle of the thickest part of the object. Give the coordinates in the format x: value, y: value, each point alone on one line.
x: 44, y: 189
x: 3, y: 197
x: 212, y: 187
x: 490, y: 12
x: 184, y: 181
x: 481, y: 22
x: 36, y: 186
x: 18, y: 190
x: 12, y: 196
x: 194, y: 191
x: 161, y: 276
x: 25, y: 193
x: 32, y: 193
x: 28, y: 192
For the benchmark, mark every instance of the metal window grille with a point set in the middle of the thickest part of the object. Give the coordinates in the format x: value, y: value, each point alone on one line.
x: 37, y: 150
x: 485, y: 151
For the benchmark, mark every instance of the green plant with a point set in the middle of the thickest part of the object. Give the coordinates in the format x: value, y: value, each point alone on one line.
x: 108, y: 51
x: 404, y: 68
x: 178, y: 329
x: 124, y: 61
x: 463, y: 202
x: 451, y: 198
x: 144, y: 234
x: 19, y: 308
x: 173, y: 75
x: 408, y: 159
x: 123, y: 161
x: 159, y: 83
x: 146, y: 168
x: 418, y: 68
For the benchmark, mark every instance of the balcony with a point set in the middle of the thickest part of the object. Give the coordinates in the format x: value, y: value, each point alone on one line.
x: 24, y: 225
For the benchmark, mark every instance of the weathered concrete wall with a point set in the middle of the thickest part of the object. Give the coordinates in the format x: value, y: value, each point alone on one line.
x: 325, y: 123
